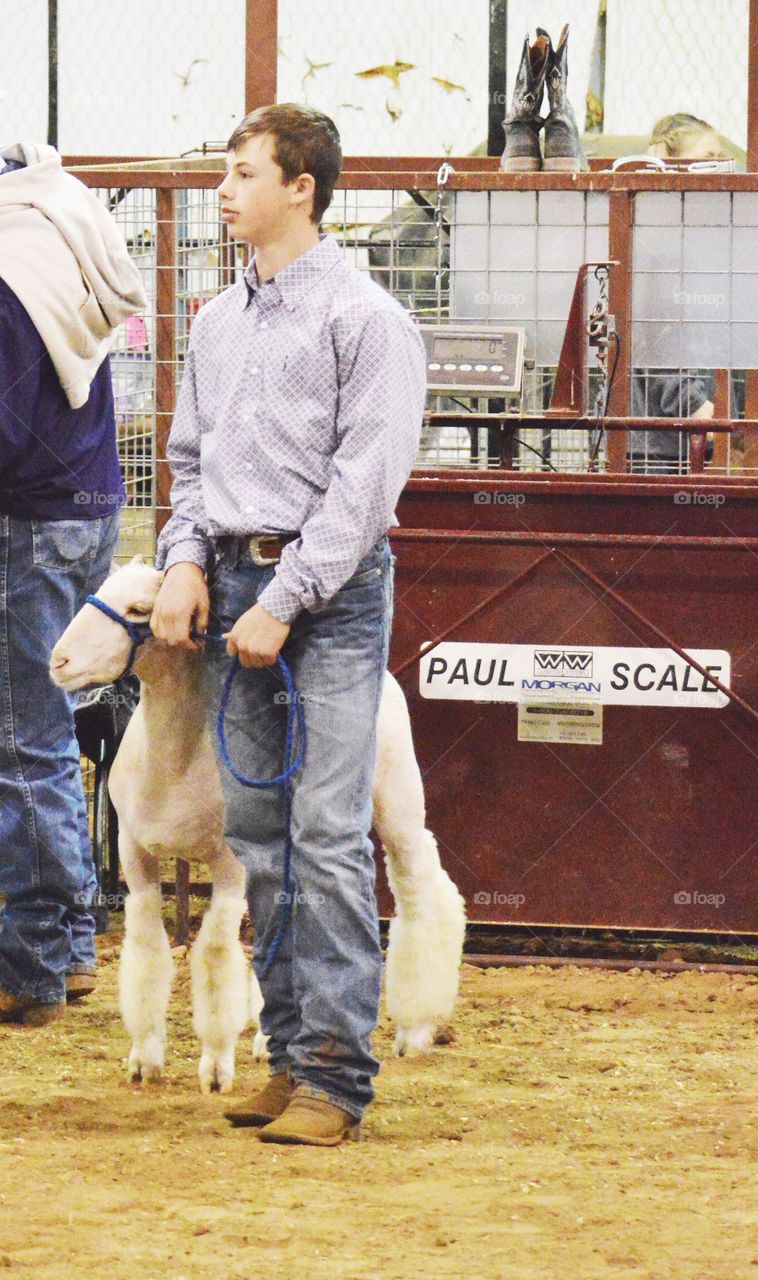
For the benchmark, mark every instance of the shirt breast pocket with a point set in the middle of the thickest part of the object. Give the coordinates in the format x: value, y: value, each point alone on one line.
x: 303, y: 378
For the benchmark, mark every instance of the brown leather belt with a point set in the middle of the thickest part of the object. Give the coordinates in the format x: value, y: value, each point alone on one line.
x: 263, y: 548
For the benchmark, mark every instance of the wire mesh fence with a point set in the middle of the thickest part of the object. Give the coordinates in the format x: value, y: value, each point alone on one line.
x: 410, y: 77
x: 149, y: 79
x: 133, y: 373
x: 475, y: 257
x: 404, y: 77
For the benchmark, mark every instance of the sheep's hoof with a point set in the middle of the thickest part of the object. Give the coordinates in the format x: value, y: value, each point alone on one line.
x: 144, y: 1069
x: 413, y: 1040
x: 216, y: 1072
x: 260, y: 1047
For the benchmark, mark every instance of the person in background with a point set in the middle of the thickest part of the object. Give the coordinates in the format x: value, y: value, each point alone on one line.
x: 683, y: 136
x: 65, y: 283
x: 667, y: 393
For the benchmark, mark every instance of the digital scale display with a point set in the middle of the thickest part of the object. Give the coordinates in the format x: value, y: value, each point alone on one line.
x: 471, y: 348
x: 482, y: 359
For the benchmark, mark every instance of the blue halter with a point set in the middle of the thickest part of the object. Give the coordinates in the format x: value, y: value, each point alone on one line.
x: 139, y: 633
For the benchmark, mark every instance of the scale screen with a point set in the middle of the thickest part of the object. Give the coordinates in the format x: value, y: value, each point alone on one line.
x: 486, y: 359
x: 470, y: 348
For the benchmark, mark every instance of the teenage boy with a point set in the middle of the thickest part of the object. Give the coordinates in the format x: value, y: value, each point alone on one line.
x: 297, y: 426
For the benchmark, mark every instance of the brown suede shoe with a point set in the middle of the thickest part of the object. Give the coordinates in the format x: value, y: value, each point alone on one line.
x: 264, y: 1106
x: 312, y: 1122
x: 80, y: 984
x: 29, y: 1012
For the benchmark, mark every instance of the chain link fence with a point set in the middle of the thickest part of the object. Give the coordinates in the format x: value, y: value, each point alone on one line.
x: 147, y: 79
x: 410, y: 77
x: 402, y: 77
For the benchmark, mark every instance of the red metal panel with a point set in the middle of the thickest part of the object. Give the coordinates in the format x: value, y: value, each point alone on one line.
x: 588, y: 835
x: 424, y: 178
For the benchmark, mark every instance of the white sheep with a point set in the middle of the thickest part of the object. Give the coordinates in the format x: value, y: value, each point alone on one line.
x: 166, y: 790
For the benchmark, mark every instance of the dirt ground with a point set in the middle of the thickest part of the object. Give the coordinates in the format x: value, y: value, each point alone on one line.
x: 581, y: 1125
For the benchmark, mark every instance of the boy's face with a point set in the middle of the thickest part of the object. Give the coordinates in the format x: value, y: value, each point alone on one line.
x: 256, y: 203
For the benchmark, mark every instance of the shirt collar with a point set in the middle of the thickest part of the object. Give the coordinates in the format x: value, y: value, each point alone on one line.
x: 298, y: 276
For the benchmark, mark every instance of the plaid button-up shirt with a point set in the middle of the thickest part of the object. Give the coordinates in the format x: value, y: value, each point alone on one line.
x: 300, y: 410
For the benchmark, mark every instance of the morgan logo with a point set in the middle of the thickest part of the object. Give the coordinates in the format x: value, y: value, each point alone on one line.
x: 563, y: 662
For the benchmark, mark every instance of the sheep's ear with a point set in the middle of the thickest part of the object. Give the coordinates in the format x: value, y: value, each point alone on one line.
x: 138, y: 559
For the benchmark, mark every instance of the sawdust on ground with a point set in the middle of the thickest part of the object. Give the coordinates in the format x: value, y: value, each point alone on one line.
x: 581, y: 1125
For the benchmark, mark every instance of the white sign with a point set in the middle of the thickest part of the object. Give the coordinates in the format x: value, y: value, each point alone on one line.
x: 600, y: 673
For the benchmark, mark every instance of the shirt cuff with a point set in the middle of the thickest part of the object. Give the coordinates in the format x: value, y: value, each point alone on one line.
x: 189, y: 551
x: 282, y: 604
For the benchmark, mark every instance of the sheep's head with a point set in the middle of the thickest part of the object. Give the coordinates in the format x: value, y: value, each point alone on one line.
x: 94, y: 649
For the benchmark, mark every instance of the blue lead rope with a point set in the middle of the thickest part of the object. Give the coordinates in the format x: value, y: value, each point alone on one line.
x: 139, y: 633
x: 293, y: 759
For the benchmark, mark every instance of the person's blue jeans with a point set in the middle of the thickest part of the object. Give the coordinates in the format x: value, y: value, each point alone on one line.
x: 321, y: 992
x: 47, y: 876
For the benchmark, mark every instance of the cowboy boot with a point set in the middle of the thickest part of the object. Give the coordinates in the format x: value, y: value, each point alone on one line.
x: 523, y: 123
x: 268, y: 1104
x: 312, y: 1122
x: 563, y: 150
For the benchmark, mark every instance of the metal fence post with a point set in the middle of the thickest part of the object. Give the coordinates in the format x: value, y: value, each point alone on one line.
x: 260, y: 53
x: 620, y: 224
x: 165, y: 403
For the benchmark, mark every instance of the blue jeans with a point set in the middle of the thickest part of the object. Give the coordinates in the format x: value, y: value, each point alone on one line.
x: 47, y: 876
x: 321, y: 992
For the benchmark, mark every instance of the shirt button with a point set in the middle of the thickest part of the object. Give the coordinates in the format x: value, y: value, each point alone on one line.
x: 254, y: 372
x: 264, y: 324
x: 248, y: 466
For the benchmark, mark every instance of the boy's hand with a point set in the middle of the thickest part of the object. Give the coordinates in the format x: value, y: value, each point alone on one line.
x: 256, y: 638
x: 182, y: 605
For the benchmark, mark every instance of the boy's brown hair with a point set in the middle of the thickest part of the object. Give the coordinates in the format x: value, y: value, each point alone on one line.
x: 305, y: 141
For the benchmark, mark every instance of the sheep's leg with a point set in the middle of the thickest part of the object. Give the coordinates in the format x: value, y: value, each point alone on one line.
x: 146, y: 969
x: 260, y: 1042
x: 426, y: 935
x: 220, y: 995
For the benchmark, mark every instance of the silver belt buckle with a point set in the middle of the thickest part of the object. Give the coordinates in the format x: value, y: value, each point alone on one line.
x: 255, y: 552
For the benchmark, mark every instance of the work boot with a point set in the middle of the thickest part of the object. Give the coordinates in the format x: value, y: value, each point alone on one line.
x: 79, y: 985
x: 312, y: 1122
x: 523, y: 123
x: 29, y: 1012
x: 563, y: 150
x: 264, y: 1106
